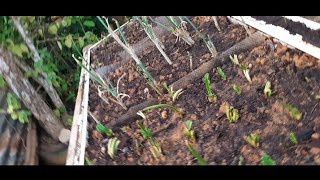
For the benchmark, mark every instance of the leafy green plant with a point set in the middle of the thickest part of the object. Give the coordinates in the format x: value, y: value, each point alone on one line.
x: 221, y: 73
x: 253, y: 139
x: 200, y: 160
x: 189, y: 133
x: 102, y: 129
x: 177, y: 28
x: 266, y: 160
x: 237, y: 89
x: 293, y: 138
x: 232, y: 114
x: 246, y: 72
x: 14, y: 109
x: 87, y: 161
x: 234, y: 59
x: 294, y: 112
x: 267, y: 89
x: 2, y: 82
x: 211, y: 97
x: 148, y: 29
x: 113, y: 147
x: 154, y: 145
x: 207, y: 40
x: 173, y: 94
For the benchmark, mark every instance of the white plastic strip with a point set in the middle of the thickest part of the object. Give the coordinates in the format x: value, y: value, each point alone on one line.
x: 281, y: 34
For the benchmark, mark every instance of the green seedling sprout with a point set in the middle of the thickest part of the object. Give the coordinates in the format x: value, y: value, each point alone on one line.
x: 234, y: 59
x: 267, y: 89
x: 200, y: 160
x: 88, y: 162
x: 241, y: 161
x: 245, y: 70
x: 232, y: 114
x: 293, y: 138
x: 267, y: 161
x: 189, y: 133
x: 149, y: 30
x: 173, y: 94
x: 176, y: 28
x: 221, y: 73
x: 151, y: 83
x: 253, y: 139
x: 148, y: 135
x: 102, y: 129
x: 211, y: 97
x: 113, y: 147
x: 294, y: 112
x: 237, y: 89
x: 125, y: 45
x: 179, y: 111
x: 113, y: 91
x: 207, y: 40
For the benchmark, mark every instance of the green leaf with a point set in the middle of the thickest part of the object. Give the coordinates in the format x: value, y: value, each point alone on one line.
x: 294, y: 112
x: 293, y: 138
x: 2, y: 82
x: 81, y: 42
x: 24, y: 48
x: 24, y: 116
x: 17, y: 51
x: 267, y: 161
x: 221, y: 73
x: 189, y: 125
x: 53, y: 29
x: 237, y: 89
x: 200, y: 160
x: 89, y: 23
x: 102, y: 129
x: 68, y: 41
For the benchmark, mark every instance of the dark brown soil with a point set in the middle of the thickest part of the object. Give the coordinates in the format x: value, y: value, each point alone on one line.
x: 294, y: 77
x: 308, y: 35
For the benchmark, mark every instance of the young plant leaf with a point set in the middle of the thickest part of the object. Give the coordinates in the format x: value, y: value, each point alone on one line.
x: 211, y: 97
x: 237, y: 89
x: 293, y: 138
x: 102, y: 129
x: 221, y: 73
x: 294, y: 112
x: 2, y: 82
x: 267, y: 89
x: 253, y: 140
x: 267, y: 161
x: 200, y: 160
x: 189, y: 124
x: 113, y: 147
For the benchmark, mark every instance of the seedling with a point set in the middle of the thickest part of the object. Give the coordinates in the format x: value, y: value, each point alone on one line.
x: 237, y: 89
x: 88, y: 162
x: 154, y: 145
x: 293, y: 138
x: 173, y: 94
x: 267, y: 89
x: 221, y: 73
x: 200, y: 160
x: 145, y: 132
x: 125, y: 46
x: 149, y: 30
x: 232, y: 114
x: 190, y: 133
x: 246, y: 72
x: 15, y: 111
x: 151, y: 83
x: 294, y: 112
x: 253, y: 140
x: 267, y: 161
x: 113, y: 147
x: 207, y: 40
x: 234, y: 59
x: 211, y: 97
x: 2, y: 82
x: 102, y: 129
x: 241, y: 161
x: 176, y: 28
x: 179, y: 111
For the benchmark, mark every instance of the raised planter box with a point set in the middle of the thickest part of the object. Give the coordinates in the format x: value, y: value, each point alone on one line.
x: 79, y: 135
